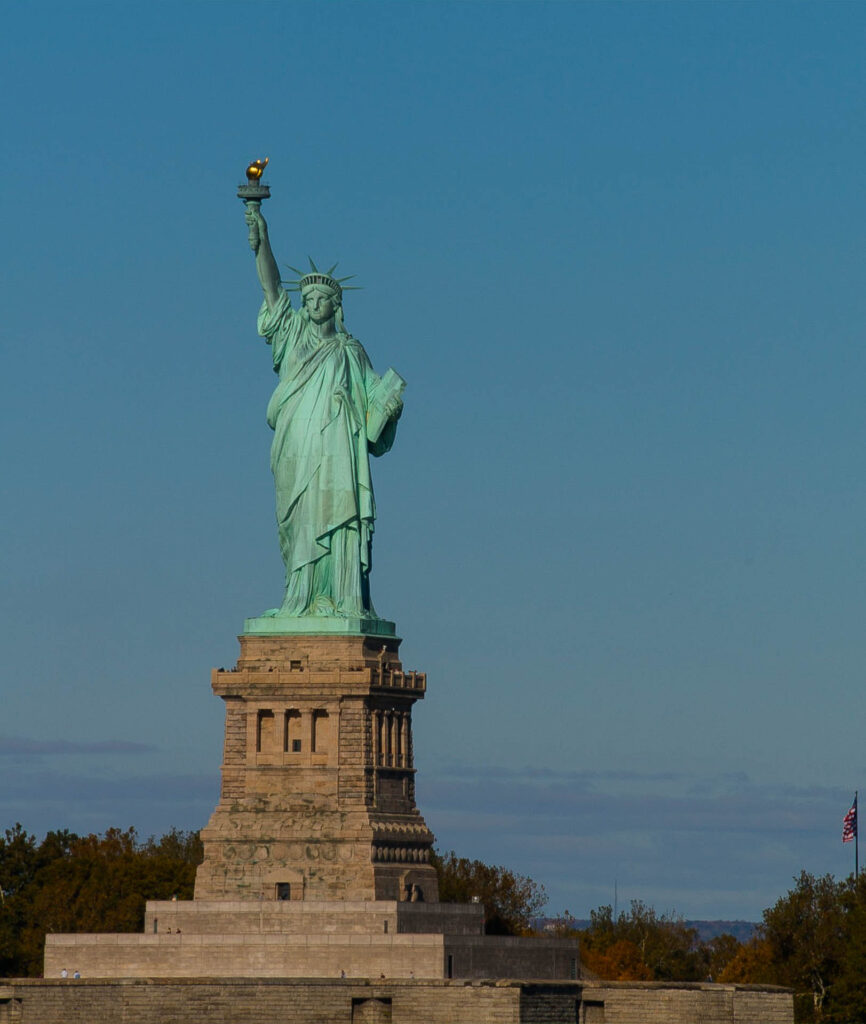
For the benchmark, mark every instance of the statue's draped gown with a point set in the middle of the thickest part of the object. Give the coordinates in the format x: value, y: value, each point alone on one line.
x: 321, y: 466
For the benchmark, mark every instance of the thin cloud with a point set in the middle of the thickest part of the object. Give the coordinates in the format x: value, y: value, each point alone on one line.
x: 458, y: 770
x: 50, y: 798
x: 670, y: 838
x: 20, y: 746
x: 42, y: 787
x: 533, y: 802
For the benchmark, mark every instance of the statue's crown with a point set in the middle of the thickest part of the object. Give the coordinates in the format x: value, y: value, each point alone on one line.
x: 316, y: 278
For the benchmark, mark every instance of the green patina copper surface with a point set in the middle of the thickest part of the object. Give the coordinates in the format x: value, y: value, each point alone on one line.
x: 329, y: 412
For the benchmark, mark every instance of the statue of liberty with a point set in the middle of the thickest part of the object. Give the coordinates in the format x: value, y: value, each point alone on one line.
x: 329, y: 413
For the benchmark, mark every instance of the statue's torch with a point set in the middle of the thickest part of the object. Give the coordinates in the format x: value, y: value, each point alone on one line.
x: 254, y: 192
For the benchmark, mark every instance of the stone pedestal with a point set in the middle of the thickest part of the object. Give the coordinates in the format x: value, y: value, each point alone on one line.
x: 318, y: 781
x: 316, y: 899
x: 316, y: 859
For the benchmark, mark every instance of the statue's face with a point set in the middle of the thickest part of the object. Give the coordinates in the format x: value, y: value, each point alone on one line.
x: 320, y: 305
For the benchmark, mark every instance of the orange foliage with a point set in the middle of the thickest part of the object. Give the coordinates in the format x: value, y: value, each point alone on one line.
x: 619, y: 962
x: 753, y: 964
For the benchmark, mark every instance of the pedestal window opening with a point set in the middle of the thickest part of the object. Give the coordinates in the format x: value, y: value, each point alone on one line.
x: 265, y: 738
x: 292, y: 739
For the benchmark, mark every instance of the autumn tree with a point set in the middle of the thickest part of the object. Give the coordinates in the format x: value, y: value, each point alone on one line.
x: 812, y: 940
x: 641, y: 944
x: 751, y: 964
x: 848, y: 993
x: 94, y: 883
x: 805, y: 931
x: 18, y: 865
x: 511, y: 901
x: 718, y: 952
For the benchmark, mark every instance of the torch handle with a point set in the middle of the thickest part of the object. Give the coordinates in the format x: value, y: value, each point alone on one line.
x: 254, y: 230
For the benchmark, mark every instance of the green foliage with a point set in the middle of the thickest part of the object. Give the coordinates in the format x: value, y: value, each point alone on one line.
x: 848, y: 993
x: 511, y: 901
x: 812, y: 940
x: 805, y: 932
x: 93, y: 883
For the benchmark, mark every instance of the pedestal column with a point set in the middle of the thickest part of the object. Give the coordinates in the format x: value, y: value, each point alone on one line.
x: 318, y: 789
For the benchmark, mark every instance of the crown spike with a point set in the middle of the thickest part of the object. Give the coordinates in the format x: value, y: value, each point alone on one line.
x: 314, y: 276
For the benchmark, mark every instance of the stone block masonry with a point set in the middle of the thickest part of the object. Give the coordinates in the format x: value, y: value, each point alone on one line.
x: 316, y: 859
x: 279, y: 956
x: 327, y: 1001
x: 318, y: 779
x: 311, y: 917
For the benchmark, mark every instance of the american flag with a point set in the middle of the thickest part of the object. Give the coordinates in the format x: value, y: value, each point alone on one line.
x: 849, y: 824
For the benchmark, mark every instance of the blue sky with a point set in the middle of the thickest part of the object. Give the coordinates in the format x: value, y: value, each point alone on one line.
x: 616, y: 251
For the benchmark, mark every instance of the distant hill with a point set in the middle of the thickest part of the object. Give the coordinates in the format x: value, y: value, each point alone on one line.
x: 741, y: 930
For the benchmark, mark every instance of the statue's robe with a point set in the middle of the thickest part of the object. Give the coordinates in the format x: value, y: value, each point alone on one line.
x: 321, y: 466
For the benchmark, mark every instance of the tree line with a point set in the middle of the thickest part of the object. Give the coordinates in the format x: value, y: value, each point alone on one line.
x: 812, y: 940
x: 94, y: 883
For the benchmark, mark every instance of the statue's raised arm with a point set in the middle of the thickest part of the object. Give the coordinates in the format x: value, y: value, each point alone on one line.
x: 266, y: 265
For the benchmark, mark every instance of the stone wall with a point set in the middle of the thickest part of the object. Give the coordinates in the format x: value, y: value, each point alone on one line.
x: 628, y: 1002
x: 450, y: 918
x: 260, y: 956
x: 278, y: 955
x: 239, y: 1001
x: 501, y: 956
x: 311, y: 917
x: 325, y: 1001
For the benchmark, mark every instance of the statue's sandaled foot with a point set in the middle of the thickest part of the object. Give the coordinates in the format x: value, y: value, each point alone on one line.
x: 355, y: 613
x: 323, y: 606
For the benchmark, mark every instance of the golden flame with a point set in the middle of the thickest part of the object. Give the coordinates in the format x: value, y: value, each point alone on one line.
x: 257, y: 169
